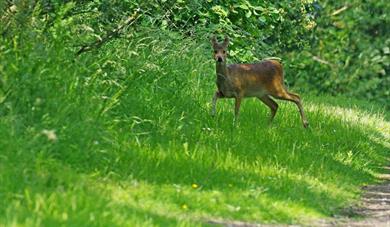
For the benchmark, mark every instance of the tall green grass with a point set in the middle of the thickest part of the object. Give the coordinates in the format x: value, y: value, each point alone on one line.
x: 123, y: 136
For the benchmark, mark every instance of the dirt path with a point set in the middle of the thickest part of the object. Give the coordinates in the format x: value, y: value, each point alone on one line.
x: 374, y: 211
x: 374, y: 208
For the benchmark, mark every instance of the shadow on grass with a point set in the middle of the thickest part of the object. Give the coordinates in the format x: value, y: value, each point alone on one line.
x: 333, y: 152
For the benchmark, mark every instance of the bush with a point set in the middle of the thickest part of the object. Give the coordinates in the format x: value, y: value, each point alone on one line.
x: 328, y: 47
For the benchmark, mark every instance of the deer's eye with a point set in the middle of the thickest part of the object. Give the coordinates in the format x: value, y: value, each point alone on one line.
x: 215, y: 51
x: 224, y: 52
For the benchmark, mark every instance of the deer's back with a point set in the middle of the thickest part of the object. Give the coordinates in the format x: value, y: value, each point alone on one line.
x: 257, y: 78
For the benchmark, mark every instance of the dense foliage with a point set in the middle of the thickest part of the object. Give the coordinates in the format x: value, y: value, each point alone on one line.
x: 328, y: 46
x: 352, y: 50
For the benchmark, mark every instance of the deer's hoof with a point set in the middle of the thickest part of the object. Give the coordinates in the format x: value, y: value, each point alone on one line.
x: 305, y: 124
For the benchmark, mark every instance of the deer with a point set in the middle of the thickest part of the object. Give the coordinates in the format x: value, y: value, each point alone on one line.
x: 263, y: 80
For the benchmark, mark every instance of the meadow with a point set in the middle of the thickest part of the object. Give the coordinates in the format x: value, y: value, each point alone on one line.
x: 123, y: 136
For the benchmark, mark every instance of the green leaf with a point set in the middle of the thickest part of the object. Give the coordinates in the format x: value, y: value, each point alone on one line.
x: 386, y: 50
x: 242, y: 6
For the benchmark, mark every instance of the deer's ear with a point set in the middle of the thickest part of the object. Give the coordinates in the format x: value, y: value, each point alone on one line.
x: 226, y: 41
x: 213, y: 40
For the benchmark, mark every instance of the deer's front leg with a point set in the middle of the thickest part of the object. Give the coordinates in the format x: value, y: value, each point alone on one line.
x: 214, y: 103
x: 237, y: 107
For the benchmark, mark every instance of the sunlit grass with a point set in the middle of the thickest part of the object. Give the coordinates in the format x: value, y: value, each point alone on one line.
x: 119, y: 141
x: 360, y: 118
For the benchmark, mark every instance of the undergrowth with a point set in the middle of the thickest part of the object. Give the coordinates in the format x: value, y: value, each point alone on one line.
x: 123, y: 136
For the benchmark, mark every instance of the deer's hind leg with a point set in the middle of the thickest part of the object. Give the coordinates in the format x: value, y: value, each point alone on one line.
x: 271, y: 104
x: 283, y: 94
x: 237, y: 105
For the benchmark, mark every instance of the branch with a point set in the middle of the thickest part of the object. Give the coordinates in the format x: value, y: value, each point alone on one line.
x: 318, y: 59
x: 340, y: 10
x: 113, y: 34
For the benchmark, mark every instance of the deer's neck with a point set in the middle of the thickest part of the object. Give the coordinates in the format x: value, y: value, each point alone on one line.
x: 221, y: 70
x: 222, y: 77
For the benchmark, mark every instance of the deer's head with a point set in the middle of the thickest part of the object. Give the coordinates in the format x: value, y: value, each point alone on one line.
x: 220, y: 49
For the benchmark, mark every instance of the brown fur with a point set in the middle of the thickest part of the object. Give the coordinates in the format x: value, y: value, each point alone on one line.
x: 262, y: 80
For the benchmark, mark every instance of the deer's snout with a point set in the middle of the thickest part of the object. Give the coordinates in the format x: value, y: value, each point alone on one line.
x: 219, y: 59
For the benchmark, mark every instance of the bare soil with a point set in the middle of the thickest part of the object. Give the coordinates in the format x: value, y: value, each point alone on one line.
x: 373, y: 211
